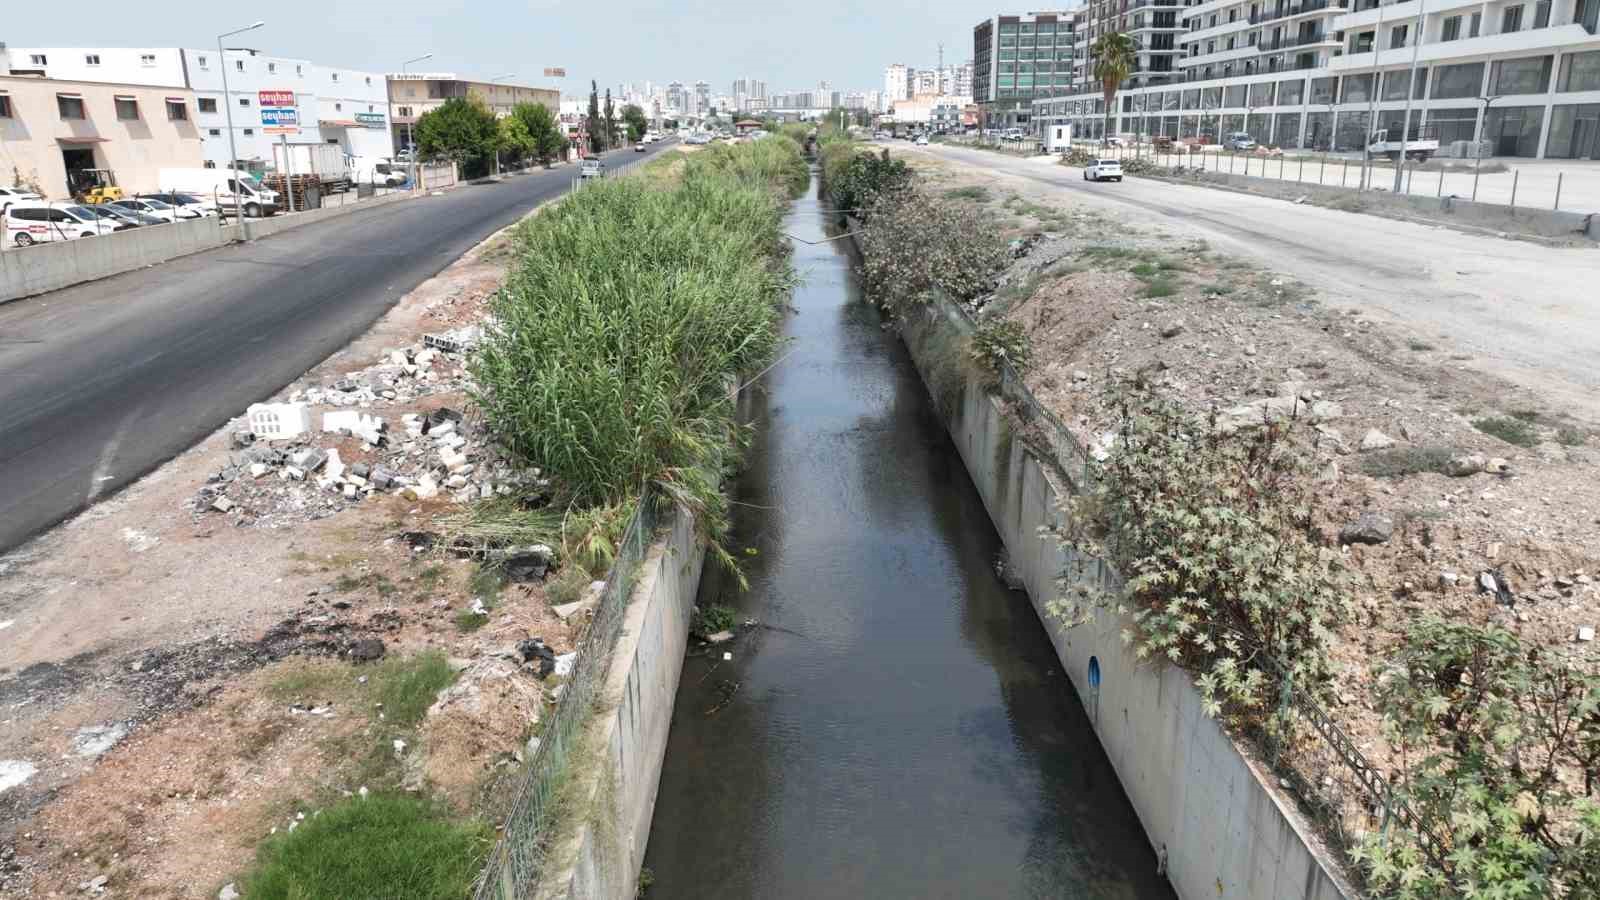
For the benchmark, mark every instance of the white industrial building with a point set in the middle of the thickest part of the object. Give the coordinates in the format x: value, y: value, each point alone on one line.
x: 1523, y: 76
x: 329, y: 105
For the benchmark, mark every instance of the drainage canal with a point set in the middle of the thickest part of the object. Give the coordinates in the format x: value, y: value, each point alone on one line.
x: 897, y: 724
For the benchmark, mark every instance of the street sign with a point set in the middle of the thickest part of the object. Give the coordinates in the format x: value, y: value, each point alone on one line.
x: 279, y: 114
x: 557, y: 72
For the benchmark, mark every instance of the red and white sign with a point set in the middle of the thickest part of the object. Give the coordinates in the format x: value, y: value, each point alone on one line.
x: 277, y: 98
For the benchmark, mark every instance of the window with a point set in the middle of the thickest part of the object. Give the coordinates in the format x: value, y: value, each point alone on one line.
x: 1291, y: 93
x: 215, y: 132
x: 92, y: 59
x: 1477, y: 23
x: 1356, y: 89
x: 249, y: 131
x: 5, y: 107
x: 272, y: 68
x: 335, y: 76
x: 1573, y: 132
x: 200, y: 61
x: 127, y: 108
x: 1397, y: 37
x: 1530, y: 75
x: 338, y: 107
x: 147, y: 59
x: 1451, y: 30
x: 370, y: 109
x: 70, y: 107
x: 1395, y: 84
x: 298, y: 70
x: 208, y: 104
x: 38, y: 59
x: 1456, y: 124
x: 1579, y: 72
x: 244, y: 101
x: 1364, y: 42
x: 1458, y: 82
x: 403, y: 111
x: 1511, y: 20
x: 177, y: 111
x: 1514, y: 131
x: 239, y: 64
x: 1234, y: 95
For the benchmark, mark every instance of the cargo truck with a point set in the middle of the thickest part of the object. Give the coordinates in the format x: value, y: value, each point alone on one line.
x: 326, y: 161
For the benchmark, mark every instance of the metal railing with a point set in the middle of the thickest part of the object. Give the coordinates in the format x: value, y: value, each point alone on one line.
x: 1334, y: 780
x: 516, y: 862
x: 1299, y: 40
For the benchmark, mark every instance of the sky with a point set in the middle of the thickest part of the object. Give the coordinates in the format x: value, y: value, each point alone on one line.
x: 790, y: 46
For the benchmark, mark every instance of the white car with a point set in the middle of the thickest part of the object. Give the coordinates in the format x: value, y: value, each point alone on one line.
x: 158, y: 208
x: 185, y: 204
x: 29, y: 222
x: 922, y: 141
x: 10, y: 195
x: 1103, y: 169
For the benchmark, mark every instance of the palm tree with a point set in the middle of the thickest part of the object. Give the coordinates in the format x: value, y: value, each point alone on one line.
x: 1113, y: 62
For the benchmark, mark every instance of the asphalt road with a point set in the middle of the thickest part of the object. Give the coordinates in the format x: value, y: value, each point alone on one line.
x: 1522, y: 311
x: 102, y: 382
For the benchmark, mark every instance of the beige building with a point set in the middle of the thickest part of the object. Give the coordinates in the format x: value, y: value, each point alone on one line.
x: 411, y: 95
x: 60, y: 136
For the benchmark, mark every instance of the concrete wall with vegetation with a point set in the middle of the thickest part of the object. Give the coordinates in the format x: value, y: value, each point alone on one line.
x: 636, y: 704
x: 1207, y: 808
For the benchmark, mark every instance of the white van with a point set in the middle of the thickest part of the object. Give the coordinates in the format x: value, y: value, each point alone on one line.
x: 215, y: 187
x: 29, y: 222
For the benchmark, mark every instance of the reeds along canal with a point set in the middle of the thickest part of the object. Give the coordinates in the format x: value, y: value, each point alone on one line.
x: 896, y: 724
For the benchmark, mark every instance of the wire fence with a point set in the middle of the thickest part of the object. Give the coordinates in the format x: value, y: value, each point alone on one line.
x: 1339, y: 789
x: 517, y: 860
x: 1529, y: 187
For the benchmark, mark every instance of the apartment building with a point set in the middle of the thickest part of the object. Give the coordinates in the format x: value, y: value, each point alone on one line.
x: 1522, y: 76
x: 415, y: 93
x: 1019, y: 59
x: 1155, y: 27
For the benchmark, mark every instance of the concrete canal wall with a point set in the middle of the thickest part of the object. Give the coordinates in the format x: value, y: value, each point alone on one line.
x: 1211, y: 813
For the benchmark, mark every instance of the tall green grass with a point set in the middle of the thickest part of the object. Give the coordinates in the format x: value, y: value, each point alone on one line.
x: 628, y: 311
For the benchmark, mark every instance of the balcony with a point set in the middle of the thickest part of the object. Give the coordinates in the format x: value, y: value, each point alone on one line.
x: 1289, y: 43
x: 1304, y: 7
x: 1218, y: 56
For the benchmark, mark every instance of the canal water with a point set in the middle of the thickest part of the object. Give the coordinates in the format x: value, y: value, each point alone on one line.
x: 897, y: 723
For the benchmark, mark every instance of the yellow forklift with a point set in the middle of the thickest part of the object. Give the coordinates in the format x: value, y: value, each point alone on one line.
x: 94, y: 185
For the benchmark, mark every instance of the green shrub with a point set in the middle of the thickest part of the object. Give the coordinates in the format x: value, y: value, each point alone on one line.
x: 1214, y: 536
x: 1568, y: 436
x: 1499, y: 749
x: 1510, y: 429
x: 977, y: 193
x: 1402, y: 461
x: 857, y: 181
x: 711, y: 619
x: 919, y: 242
x: 629, y: 309
x: 385, y: 845
x: 1001, y: 339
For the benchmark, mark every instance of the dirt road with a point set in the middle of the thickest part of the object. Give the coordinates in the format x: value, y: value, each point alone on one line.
x: 1521, y: 311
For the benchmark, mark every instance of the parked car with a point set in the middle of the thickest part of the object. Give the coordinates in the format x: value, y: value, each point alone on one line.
x: 10, y: 195
x: 639, y: 147
x: 1239, y: 140
x: 593, y: 167
x: 29, y: 222
x: 218, y: 186
x: 922, y: 140
x: 160, y: 209
x: 125, y: 216
x: 1103, y: 169
x: 1114, y: 141
x: 187, y: 203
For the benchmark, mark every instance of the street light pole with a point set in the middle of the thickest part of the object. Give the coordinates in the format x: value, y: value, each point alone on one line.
x: 1477, y: 143
x: 233, y: 153
x: 408, y: 124
x: 491, y: 109
x: 1411, y: 89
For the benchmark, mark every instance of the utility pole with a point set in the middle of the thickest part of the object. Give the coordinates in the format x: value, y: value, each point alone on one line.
x: 1372, y: 103
x: 414, y: 162
x: 1411, y: 90
x: 233, y: 153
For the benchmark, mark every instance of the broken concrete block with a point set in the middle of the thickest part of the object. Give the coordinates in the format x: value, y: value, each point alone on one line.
x: 442, y: 342
x: 334, y: 468
x: 399, y: 358
x: 442, y: 415
x: 360, y: 470
x: 350, y: 491
x: 243, y: 439
x: 381, y: 478
x: 310, y: 459
x: 222, y: 504
x: 293, y: 473
x: 526, y: 562
x: 278, y: 421
x: 259, y: 469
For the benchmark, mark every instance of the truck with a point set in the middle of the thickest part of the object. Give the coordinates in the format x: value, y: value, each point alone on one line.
x: 327, y: 161
x: 1423, y: 143
x: 215, y: 188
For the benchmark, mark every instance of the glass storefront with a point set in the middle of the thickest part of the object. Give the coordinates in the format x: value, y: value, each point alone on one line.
x: 1574, y: 132
x: 1286, y: 130
x: 1514, y: 131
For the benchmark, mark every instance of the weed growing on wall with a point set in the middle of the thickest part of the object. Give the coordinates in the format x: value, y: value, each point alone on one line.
x: 1499, y: 757
x: 1000, y: 340
x: 1225, y: 571
x: 917, y: 242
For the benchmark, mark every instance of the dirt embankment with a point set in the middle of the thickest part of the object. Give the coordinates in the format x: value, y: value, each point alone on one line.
x: 1467, y: 480
x: 221, y: 650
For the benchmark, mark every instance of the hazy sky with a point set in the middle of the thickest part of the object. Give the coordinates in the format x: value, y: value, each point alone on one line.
x: 789, y: 45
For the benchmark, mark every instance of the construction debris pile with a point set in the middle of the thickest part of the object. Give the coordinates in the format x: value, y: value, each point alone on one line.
x: 300, y: 460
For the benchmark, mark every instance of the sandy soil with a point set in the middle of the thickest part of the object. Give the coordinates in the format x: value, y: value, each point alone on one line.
x: 169, y: 631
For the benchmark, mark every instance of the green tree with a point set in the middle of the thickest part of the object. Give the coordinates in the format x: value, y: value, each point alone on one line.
x: 1113, y: 62
x: 543, y: 128
x: 462, y: 130
x: 611, y: 121
x: 633, y: 118
x: 515, y: 140
x: 594, y: 126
